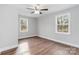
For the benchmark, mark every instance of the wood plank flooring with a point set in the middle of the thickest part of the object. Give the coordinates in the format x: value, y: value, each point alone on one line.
x: 41, y: 46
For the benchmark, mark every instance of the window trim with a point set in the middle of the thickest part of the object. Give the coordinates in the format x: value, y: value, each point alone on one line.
x: 69, y: 19
x: 25, y: 19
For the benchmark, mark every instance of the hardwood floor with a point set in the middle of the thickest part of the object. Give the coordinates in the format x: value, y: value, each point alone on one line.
x: 41, y: 46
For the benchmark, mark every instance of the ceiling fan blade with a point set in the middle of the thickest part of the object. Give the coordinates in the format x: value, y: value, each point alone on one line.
x: 32, y: 12
x: 30, y: 8
x: 44, y: 9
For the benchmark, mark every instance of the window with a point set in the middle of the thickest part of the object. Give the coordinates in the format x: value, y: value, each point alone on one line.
x: 23, y: 24
x: 63, y: 23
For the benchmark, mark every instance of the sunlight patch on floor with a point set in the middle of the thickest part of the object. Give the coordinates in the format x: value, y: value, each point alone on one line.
x: 23, y: 49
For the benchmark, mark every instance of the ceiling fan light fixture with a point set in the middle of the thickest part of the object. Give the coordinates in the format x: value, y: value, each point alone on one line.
x: 37, y: 9
x: 36, y: 12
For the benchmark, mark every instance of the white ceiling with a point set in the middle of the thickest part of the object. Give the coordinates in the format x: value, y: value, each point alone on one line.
x: 51, y: 8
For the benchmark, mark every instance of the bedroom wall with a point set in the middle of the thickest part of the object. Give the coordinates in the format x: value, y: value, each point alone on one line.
x: 8, y: 27
x: 46, y: 27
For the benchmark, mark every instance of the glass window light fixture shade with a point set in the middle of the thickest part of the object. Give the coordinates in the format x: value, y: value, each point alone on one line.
x: 36, y: 12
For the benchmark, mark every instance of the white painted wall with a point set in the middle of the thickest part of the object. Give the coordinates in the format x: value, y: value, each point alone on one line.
x: 32, y: 28
x: 8, y: 27
x: 46, y: 27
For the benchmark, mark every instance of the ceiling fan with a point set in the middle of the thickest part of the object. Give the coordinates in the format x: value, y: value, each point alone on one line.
x: 37, y: 9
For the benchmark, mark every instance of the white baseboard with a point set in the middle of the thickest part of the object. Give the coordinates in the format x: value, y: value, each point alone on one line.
x: 67, y: 43
x: 7, y: 48
x: 26, y: 36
